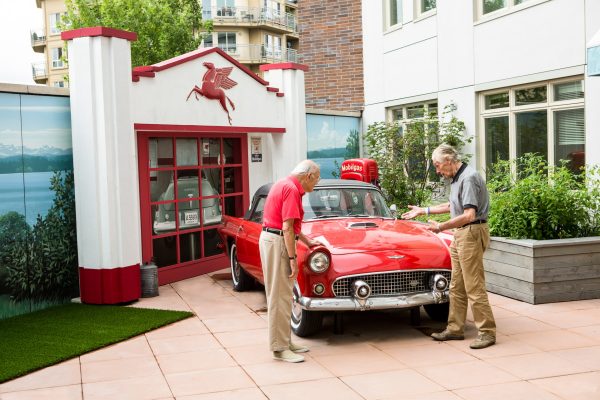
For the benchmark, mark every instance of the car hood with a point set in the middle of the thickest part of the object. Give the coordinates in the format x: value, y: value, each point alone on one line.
x: 360, y: 235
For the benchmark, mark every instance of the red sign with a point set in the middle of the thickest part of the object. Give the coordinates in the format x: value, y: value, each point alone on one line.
x: 213, y: 83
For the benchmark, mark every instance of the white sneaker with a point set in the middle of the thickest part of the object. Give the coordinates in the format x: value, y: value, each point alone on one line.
x: 287, y: 356
x: 296, y: 348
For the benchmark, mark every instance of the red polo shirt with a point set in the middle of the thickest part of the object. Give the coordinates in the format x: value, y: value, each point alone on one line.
x: 284, y: 202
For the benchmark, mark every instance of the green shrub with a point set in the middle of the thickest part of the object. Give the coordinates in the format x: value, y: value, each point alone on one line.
x: 541, y: 202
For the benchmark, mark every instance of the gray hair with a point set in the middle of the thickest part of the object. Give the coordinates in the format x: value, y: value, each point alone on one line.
x: 445, y: 152
x: 305, y: 167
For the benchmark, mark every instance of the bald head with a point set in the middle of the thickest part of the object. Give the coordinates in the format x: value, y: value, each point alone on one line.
x: 308, y: 174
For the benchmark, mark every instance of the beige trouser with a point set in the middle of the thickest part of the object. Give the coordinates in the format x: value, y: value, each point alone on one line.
x: 468, y: 280
x: 278, y: 286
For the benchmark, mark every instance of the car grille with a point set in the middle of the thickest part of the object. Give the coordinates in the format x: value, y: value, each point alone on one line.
x: 389, y: 283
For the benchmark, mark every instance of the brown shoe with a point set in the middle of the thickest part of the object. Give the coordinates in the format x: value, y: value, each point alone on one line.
x: 447, y: 335
x: 483, y: 341
x: 287, y: 356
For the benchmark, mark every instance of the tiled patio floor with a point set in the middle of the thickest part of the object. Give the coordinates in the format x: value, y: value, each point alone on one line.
x: 544, y: 352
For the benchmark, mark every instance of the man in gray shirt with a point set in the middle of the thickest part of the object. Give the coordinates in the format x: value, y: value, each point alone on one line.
x: 468, y: 207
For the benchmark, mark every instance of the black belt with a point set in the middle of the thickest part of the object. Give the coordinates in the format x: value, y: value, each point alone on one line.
x: 476, y: 222
x: 274, y: 231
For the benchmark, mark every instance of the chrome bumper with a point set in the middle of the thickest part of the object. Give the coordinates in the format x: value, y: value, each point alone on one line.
x: 372, y: 303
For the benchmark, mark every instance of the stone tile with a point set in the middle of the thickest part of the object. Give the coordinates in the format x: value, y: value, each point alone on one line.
x: 359, y: 363
x: 195, y: 288
x: 183, y: 344
x: 506, y: 391
x: 554, y: 340
x: 123, y: 368
x: 207, y: 381
x: 237, y: 323
x: 587, y: 356
x: 446, y: 395
x: 434, y: 353
x: 168, y: 299
x: 277, y: 372
x: 64, y: 374
x: 136, y: 347
x: 515, y: 325
x: 190, y: 326
x: 568, y: 319
x: 391, y: 384
x: 240, y: 394
x: 505, y: 346
x: 258, y: 337
x: 535, y: 366
x: 469, y: 374
x: 330, y: 389
x: 207, y: 308
x: 72, y: 392
x: 572, y: 387
x: 253, y: 354
x: 194, y: 361
x: 146, y: 388
x: 592, y: 332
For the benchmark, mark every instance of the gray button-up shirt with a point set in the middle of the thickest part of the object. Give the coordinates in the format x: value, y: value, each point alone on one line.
x: 468, y: 190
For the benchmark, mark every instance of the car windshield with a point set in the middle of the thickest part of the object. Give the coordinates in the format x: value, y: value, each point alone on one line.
x: 344, y: 202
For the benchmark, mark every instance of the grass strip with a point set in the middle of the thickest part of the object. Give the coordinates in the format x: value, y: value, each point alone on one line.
x: 42, y: 338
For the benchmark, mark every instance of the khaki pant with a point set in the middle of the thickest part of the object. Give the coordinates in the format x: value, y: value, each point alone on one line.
x: 278, y: 287
x: 468, y: 280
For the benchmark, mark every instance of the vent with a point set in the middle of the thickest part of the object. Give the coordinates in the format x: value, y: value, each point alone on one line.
x: 363, y: 225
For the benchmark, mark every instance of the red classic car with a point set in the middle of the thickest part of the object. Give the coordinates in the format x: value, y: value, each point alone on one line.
x: 369, y: 259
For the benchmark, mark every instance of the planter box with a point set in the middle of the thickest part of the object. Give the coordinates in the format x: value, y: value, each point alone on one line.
x: 543, y: 271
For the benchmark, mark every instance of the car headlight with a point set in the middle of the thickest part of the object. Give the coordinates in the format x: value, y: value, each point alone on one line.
x: 319, y: 262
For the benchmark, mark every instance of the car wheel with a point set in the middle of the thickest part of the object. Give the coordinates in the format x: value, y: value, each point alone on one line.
x: 241, y: 280
x: 304, y: 322
x: 438, y: 312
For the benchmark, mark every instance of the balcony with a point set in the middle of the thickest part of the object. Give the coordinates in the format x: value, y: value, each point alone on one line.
x: 253, y: 16
x: 38, y: 40
x: 39, y: 72
x: 259, y: 54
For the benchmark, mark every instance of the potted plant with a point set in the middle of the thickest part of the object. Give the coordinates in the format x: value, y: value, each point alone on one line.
x: 545, y: 226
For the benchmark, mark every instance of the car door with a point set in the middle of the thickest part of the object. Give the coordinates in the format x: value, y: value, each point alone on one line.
x: 247, y: 239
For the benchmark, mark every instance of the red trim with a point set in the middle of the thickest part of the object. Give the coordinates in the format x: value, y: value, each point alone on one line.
x: 135, y: 78
x: 98, y: 31
x: 148, y: 74
x: 174, y: 274
x: 280, y: 94
x: 268, y: 67
x: 192, y: 55
x: 206, y: 128
x: 272, y: 89
x: 109, y: 286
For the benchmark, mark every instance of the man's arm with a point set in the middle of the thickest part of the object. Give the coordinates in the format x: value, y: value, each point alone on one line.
x: 460, y: 220
x: 289, y: 239
x: 415, y: 211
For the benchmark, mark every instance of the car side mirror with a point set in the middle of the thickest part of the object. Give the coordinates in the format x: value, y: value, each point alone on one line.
x: 394, y: 210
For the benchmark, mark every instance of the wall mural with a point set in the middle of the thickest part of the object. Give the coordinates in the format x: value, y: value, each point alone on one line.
x: 38, y: 254
x: 213, y: 83
x: 331, y: 140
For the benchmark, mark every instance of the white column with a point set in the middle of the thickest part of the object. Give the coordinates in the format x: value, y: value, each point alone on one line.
x: 105, y: 166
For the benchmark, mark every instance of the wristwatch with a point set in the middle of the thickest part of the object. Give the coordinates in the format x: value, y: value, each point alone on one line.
x: 292, y: 258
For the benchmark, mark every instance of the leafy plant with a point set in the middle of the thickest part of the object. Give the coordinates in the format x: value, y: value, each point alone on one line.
x: 403, y: 154
x: 42, y: 263
x: 543, y: 202
x: 165, y: 28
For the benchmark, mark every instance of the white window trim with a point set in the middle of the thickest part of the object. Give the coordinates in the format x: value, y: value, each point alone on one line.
x: 419, y: 14
x: 386, y: 17
x: 550, y: 106
x: 59, y: 62
x: 404, y: 108
x: 509, y: 9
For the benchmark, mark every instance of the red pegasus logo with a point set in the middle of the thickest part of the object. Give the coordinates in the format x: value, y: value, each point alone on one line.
x: 213, y: 83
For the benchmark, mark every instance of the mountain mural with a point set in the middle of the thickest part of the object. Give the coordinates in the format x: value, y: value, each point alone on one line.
x: 41, y: 159
x: 9, y: 150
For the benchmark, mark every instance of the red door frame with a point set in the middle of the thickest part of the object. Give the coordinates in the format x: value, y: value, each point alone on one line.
x: 203, y: 265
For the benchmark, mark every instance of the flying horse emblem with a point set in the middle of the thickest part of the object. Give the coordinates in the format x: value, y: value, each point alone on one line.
x: 213, y: 83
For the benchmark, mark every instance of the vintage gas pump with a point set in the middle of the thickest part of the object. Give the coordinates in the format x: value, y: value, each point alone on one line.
x: 360, y: 169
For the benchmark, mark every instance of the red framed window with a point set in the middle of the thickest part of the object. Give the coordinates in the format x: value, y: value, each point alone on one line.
x: 187, y: 182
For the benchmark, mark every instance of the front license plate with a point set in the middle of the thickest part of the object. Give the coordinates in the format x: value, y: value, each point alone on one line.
x: 191, y: 218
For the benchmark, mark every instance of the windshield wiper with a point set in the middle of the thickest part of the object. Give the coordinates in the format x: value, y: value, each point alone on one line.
x: 359, y: 215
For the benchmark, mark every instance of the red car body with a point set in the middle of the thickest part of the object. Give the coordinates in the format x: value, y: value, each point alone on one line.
x: 375, y: 261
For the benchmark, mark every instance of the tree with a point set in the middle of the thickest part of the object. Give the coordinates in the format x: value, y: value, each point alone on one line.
x: 165, y: 28
x: 403, y: 154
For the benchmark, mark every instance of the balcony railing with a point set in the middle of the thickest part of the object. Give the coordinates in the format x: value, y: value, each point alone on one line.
x: 39, y: 72
x: 38, y: 39
x: 259, y: 54
x: 253, y: 15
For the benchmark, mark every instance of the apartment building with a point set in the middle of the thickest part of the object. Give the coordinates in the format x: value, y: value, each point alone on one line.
x: 46, y: 40
x: 517, y: 71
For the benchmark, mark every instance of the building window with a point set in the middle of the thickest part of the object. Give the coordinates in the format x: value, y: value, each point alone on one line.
x: 207, y: 40
x: 408, y: 114
x: 393, y: 13
x: 226, y: 41
x: 426, y: 7
x: 58, y: 84
x: 206, y: 9
x: 54, y: 23
x: 57, y: 53
x: 225, y: 8
x: 546, y: 118
x: 490, y: 6
x: 272, y: 47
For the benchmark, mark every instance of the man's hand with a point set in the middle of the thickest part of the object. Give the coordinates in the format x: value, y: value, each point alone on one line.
x: 434, y: 226
x: 313, y: 243
x: 294, y: 268
x: 415, y: 211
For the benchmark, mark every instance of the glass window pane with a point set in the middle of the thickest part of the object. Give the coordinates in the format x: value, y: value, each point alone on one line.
x: 164, y: 251
x: 233, y: 180
x: 493, y: 5
x: 397, y: 114
x: 232, y: 151
x: 211, y: 204
x: 160, y: 152
x: 415, y: 111
x: 211, y: 151
x: 187, y: 188
x: 211, y: 243
x: 395, y: 12
x: 532, y: 133
x: 568, y: 91
x: 496, y: 100
x: 496, y: 139
x: 187, y: 152
x: 233, y: 206
x: 569, y: 138
x: 530, y: 96
x: 213, y: 176
x: 189, y: 246
x: 432, y: 109
x: 427, y: 5
x: 161, y: 186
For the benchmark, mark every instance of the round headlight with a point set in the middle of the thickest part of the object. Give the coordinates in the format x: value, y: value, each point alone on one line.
x: 361, y: 289
x: 319, y: 262
x: 318, y: 289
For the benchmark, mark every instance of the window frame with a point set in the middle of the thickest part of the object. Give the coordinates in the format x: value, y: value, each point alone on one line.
x: 420, y: 14
x: 510, y: 7
x: 57, y: 63
x: 387, y: 25
x: 550, y: 106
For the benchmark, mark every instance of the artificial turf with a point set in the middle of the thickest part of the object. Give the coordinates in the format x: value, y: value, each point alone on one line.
x: 42, y: 338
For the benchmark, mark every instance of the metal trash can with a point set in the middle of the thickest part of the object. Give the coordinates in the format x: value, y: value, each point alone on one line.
x: 149, y: 278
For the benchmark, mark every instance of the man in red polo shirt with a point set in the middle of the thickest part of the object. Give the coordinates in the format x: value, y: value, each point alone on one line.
x: 282, y: 221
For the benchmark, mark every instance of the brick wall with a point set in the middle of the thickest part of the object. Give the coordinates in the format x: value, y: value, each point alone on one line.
x: 331, y: 46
